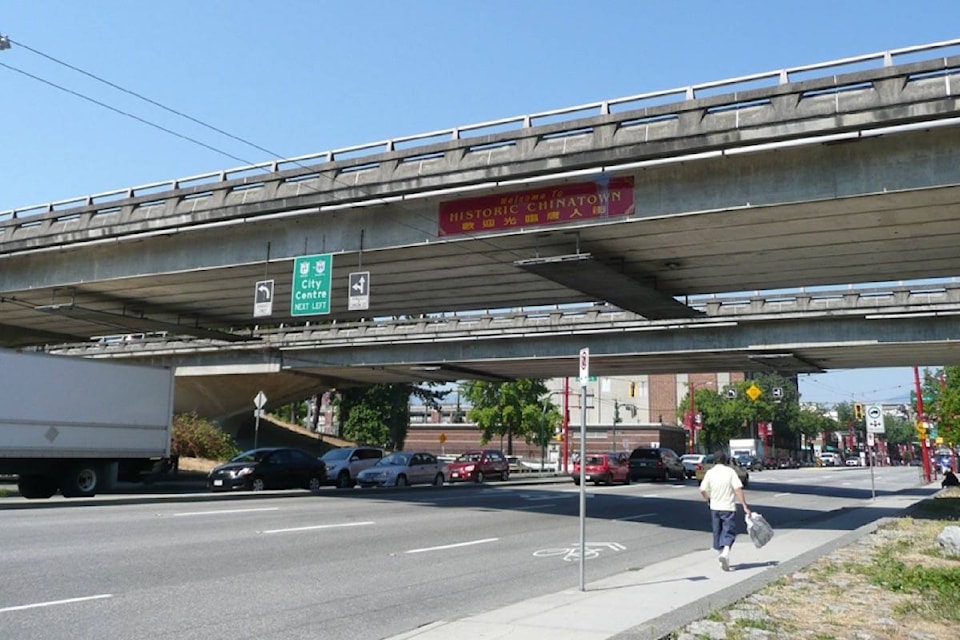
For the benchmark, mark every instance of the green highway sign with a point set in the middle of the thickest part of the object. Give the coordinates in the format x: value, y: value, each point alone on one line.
x: 312, y: 276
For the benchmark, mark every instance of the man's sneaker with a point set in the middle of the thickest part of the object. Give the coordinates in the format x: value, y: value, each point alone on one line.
x: 725, y: 562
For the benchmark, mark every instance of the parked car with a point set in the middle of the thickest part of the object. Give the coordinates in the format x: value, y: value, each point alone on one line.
x: 478, y: 465
x: 607, y: 467
x: 853, y: 461
x: 655, y: 463
x: 345, y: 463
x: 690, y: 462
x: 750, y: 463
x: 404, y: 468
x: 269, y: 468
x: 709, y: 461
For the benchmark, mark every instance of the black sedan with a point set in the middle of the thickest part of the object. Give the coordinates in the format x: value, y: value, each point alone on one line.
x: 269, y: 468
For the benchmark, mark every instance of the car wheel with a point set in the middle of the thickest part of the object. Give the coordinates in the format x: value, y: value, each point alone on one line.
x: 402, y: 481
x: 665, y: 476
x: 479, y: 476
x: 438, y: 480
x: 505, y: 475
x: 626, y: 479
x: 343, y: 480
x: 576, y: 480
x: 257, y: 484
x: 315, y: 483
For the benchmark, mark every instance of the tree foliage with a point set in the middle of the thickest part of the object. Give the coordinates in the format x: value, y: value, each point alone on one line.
x: 724, y: 417
x: 518, y: 408
x: 380, y: 414
x: 946, y: 406
x: 197, y: 437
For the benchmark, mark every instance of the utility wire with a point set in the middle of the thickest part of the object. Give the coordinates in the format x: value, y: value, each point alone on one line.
x: 275, y: 155
x: 123, y: 113
x: 218, y: 130
x: 150, y: 101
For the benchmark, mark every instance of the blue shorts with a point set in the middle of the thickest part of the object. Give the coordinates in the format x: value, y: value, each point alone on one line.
x: 724, y: 528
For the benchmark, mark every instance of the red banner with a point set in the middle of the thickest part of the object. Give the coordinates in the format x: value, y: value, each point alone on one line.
x: 581, y: 202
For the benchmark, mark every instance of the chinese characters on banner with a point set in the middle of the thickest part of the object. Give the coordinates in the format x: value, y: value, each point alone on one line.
x: 581, y: 202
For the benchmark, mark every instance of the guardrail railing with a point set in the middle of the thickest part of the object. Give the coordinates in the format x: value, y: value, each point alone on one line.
x: 256, y: 173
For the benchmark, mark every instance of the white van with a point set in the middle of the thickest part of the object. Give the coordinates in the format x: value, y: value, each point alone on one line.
x: 830, y: 459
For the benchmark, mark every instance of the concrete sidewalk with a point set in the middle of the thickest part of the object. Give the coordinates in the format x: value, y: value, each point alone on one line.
x: 649, y: 603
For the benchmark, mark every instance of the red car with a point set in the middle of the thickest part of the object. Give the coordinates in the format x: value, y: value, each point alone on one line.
x: 608, y: 467
x: 477, y: 466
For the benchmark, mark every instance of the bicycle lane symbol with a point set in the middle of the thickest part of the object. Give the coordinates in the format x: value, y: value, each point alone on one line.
x: 572, y: 553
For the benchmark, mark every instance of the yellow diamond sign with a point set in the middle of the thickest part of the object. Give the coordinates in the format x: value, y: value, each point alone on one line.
x: 754, y: 392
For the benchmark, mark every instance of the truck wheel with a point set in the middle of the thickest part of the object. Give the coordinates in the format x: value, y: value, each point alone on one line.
x: 81, y: 481
x: 36, y: 487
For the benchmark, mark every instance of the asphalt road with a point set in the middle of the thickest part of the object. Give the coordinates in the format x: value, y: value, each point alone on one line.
x: 360, y: 564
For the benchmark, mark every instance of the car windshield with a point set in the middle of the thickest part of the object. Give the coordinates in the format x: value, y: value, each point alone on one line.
x: 336, y: 454
x: 595, y: 460
x: 251, y: 456
x: 648, y: 454
x: 470, y: 457
x: 691, y: 457
x: 394, y: 460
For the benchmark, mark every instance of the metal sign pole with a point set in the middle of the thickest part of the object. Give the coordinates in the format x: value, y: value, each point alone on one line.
x: 583, y: 484
x: 584, y: 379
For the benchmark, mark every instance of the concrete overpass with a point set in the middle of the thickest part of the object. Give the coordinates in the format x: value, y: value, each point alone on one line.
x: 835, y: 173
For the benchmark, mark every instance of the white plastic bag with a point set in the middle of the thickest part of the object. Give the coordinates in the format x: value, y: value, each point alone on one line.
x: 759, y: 529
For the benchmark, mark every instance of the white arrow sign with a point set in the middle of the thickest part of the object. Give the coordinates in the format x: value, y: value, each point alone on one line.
x: 359, y: 294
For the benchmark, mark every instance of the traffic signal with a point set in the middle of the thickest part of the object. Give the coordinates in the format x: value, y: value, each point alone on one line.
x: 633, y: 389
x: 858, y: 411
x: 922, y: 430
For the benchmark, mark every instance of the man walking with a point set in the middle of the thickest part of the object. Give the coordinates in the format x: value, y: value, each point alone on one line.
x: 721, y: 488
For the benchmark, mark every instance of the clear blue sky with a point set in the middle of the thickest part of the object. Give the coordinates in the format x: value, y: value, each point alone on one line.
x: 302, y: 76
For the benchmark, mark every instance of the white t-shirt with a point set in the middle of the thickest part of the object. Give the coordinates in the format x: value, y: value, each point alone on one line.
x: 719, y: 483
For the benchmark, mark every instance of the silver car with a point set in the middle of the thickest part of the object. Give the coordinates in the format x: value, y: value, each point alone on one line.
x: 404, y: 468
x: 690, y: 462
x: 343, y: 465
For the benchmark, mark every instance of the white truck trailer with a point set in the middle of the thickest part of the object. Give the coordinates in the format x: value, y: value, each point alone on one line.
x: 76, y: 425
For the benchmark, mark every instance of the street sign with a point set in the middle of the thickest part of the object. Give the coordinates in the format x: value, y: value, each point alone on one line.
x: 584, y: 366
x: 358, y: 297
x: 311, y: 285
x: 875, y: 419
x: 754, y: 392
x: 260, y: 400
x: 263, y: 299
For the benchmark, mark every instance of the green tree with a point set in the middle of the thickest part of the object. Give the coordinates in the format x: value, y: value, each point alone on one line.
x: 380, y: 414
x: 947, y: 407
x: 511, y: 409
x: 813, y: 421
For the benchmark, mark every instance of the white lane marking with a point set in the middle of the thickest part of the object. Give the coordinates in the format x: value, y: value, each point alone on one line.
x: 52, y: 603
x: 318, y: 526
x: 780, y: 495
x: 536, y: 506
x: 636, y: 517
x: 222, y: 511
x: 452, y: 546
x: 650, y: 495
